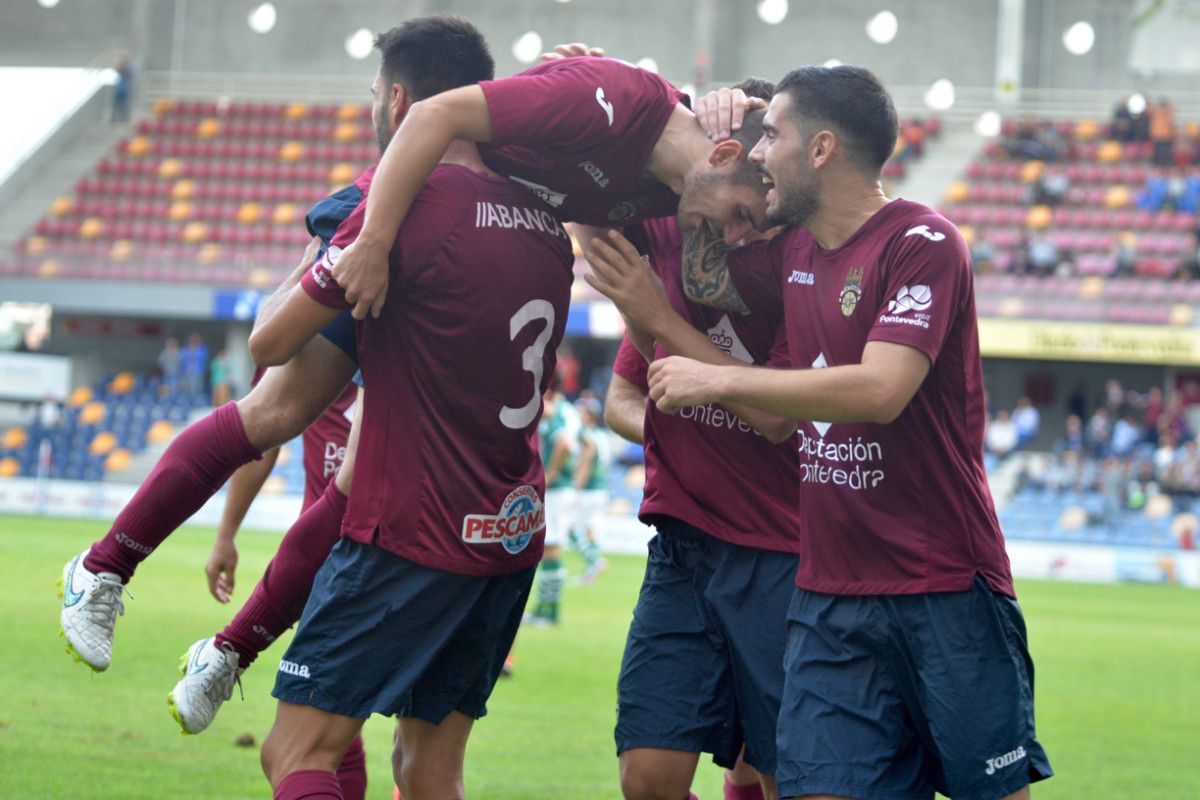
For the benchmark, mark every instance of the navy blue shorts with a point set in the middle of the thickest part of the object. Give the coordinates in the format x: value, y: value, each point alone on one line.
x: 343, y: 332
x: 383, y: 635
x: 893, y: 697
x: 703, y: 664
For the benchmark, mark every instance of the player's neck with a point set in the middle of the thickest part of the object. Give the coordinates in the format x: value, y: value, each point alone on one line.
x: 465, y: 154
x: 844, y: 209
x: 678, y: 150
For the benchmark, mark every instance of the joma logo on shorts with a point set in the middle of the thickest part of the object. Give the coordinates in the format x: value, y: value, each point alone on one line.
x: 1011, y: 757
x: 292, y: 668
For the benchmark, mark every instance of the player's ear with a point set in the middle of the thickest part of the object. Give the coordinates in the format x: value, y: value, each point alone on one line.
x: 729, y: 151
x: 398, y: 103
x: 822, y: 147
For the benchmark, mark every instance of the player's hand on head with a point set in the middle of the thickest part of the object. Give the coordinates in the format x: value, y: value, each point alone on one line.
x: 677, y: 382
x: 221, y: 568
x: 361, y: 270
x: 721, y: 111
x: 620, y: 274
x: 571, y: 51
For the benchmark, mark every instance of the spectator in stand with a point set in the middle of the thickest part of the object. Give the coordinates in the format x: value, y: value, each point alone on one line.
x: 1098, y: 433
x: 1077, y: 401
x: 1121, y: 126
x: 1114, y: 482
x: 1125, y: 435
x: 1152, y: 408
x: 1050, y: 188
x: 1125, y: 253
x: 1164, y: 455
x: 218, y: 379
x: 1072, y: 441
x: 1174, y: 419
x: 1042, y: 256
x: 567, y: 371
x: 1114, y: 397
x: 121, y: 90
x: 194, y: 365
x: 169, y: 363
x: 1027, y: 419
x: 1162, y: 131
x: 1001, y: 437
x: 1183, y: 476
x: 1189, y: 267
x: 49, y: 413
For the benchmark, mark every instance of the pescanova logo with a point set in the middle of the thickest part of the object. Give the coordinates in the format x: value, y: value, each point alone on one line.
x: 521, y: 515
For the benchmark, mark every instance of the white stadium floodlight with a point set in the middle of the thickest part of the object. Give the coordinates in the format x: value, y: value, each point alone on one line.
x: 1136, y: 104
x: 1079, y: 38
x: 940, y: 95
x: 772, y: 12
x: 262, y: 19
x: 648, y: 64
x: 882, y: 27
x: 528, y: 47
x: 988, y: 125
x: 47, y: 3
x: 359, y: 43
x: 831, y: 62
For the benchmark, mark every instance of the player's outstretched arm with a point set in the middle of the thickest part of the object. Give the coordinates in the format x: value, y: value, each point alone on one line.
x: 285, y: 333
x: 272, y: 303
x: 876, y: 390
x: 619, y: 273
x: 416, y: 148
x: 706, y: 276
x: 625, y: 409
x: 244, y: 486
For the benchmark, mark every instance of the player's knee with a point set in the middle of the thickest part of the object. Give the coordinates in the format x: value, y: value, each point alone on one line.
x: 421, y: 779
x: 640, y: 783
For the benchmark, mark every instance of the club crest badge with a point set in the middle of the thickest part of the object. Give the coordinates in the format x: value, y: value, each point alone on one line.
x: 851, y: 291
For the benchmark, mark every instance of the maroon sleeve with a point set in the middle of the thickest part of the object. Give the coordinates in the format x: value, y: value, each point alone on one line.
x: 578, y: 104
x: 925, y: 289
x: 630, y: 365
x: 318, y: 282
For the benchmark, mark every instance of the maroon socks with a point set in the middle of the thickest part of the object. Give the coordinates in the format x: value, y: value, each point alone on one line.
x: 191, y: 470
x: 752, y: 791
x: 309, y: 784
x: 352, y: 772
x: 278, y: 600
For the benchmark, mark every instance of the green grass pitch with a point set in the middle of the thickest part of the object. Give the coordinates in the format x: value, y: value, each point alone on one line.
x: 1118, y: 688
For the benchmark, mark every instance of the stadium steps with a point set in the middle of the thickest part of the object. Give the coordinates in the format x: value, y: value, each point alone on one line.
x: 945, y: 159
x: 16, y: 218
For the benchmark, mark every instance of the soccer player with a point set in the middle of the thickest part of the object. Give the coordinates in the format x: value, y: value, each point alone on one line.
x: 602, y: 141
x: 558, y: 434
x: 281, y: 406
x: 416, y: 606
x: 906, y: 651
x: 591, y: 487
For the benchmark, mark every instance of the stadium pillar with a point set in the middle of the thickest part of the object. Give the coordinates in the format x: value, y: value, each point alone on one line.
x: 1010, y: 28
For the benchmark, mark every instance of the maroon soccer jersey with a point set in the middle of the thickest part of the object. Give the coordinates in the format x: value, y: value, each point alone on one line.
x: 325, y: 444
x: 902, y: 508
x: 448, y: 473
x: 705, y: 465
x: 578, y: 132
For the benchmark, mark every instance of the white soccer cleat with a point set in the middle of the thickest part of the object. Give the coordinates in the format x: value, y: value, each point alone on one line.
x: 91, y: 603
x: 209, y: 673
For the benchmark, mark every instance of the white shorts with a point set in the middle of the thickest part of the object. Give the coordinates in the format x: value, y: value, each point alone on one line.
x: 591, y: 505
x: 560, y: 510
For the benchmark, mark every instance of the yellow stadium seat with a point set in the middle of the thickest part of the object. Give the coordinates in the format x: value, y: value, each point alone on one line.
x: 1032, y: 170
x: 291, y: 151
x: 342, y: 173
x: 1087, y: 129
x: 346, y: 132
x: 117, y: 460
x: 122, y: 250
x: 349, y: 111
x: 91, y: 228
x: 61, y: 205
x: 122, y: 383
x: 15, y: 438
x: 957, y: 192
x: 183, y: 189
x: 1182, y: 315
x: 35, y: 246
x: 1039, y: 217
x: 102, y: 444
x: 249, y: 213
x: 161, y: 106
x: 195, y: 232
x: 1091, y: 288
x: 180, y: 211
x: 138, y: 146
x: 968, y: 234
x: 259, y: 276
x: 160, y: 432
x: 49, y: 268
x: 170, y: 168
x: 93, y: 413
x: 9, y: 468
x: 209, y: 253
x: 284, y: 214
x: 296, y: 111
x: 208, y: 128
x: 81, y: 395
x: 1118, y: 197
x: 1109, y: 152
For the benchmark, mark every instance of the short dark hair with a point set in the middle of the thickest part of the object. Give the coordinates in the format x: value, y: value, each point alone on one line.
x: 852, y: 100
x: 761, y: 88
x: 434, y: 54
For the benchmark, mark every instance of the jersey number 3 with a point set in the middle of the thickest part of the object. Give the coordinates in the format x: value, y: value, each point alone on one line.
x: 532, y: 360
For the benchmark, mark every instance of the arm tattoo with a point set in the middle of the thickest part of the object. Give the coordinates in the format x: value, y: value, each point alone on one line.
x: 706, y: 278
